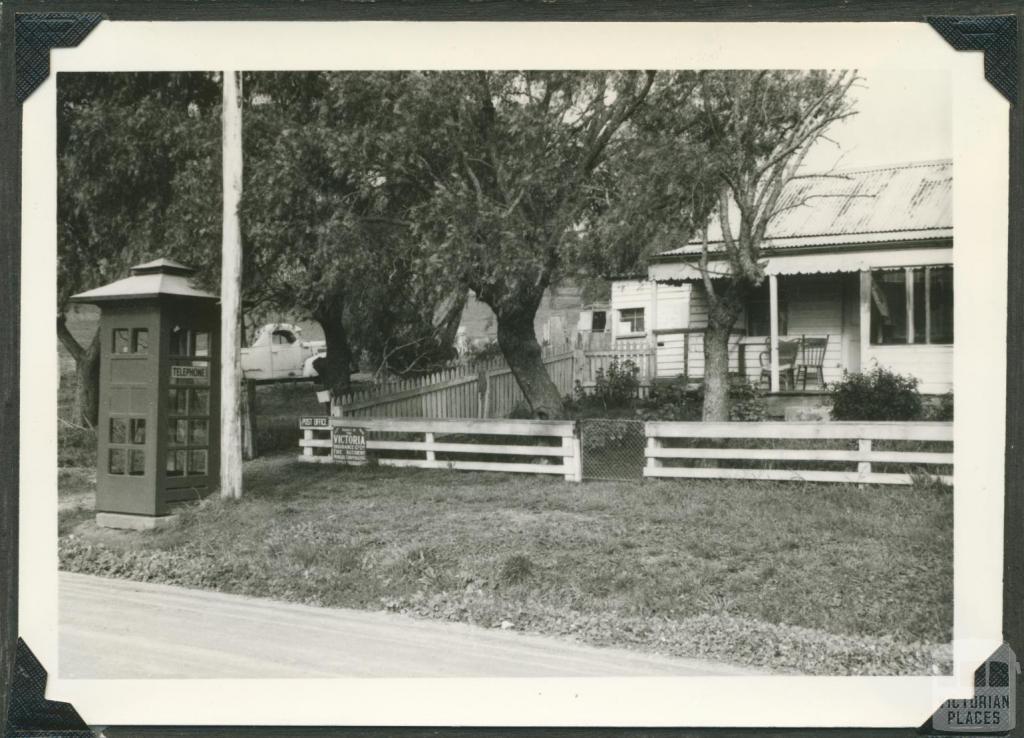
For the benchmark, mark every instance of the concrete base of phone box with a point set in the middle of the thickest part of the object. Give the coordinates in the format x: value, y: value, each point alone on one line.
x: 126, y: 521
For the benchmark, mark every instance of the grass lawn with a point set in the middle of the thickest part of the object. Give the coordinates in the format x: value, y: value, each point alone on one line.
x: 823, y: 579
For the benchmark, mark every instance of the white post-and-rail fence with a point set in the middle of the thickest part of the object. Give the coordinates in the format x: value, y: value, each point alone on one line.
x: 547, y: 446
x: 665, y: 445
x: 554, y: 447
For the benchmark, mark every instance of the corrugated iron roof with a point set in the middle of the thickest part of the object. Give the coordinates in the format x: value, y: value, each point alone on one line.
x: 886, y: 203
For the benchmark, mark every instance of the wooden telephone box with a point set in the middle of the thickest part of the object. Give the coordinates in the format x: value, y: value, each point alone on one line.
x: 158, y: 435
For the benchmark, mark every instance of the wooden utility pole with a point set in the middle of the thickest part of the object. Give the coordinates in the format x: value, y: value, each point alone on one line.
x: 231, y: 290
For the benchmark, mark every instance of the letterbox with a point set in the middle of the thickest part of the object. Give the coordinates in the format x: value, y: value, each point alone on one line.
x: 158, y: 438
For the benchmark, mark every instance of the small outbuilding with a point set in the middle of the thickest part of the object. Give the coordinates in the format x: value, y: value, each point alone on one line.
x: 158, y: 434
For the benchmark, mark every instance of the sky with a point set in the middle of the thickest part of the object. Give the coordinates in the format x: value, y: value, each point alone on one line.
x: 903, y: 116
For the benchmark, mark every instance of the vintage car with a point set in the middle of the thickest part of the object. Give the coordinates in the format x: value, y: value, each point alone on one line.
x: 278, y: 353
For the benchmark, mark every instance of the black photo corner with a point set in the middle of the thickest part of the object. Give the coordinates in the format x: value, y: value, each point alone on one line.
x: 28, y: 32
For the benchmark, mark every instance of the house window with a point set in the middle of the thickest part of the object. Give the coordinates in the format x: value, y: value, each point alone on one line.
x: 759, y: 313
x: 912, y: 305
x: 599, y: 321
x: 632, y: 320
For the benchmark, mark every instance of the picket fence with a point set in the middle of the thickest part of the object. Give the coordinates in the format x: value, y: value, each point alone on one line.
x: 488, y: 389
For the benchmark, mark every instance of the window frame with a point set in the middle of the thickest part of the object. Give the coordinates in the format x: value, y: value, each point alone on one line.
x: 633, y: 330
x: 910, y: 275
x: 127, y: 447
x: 189, y: 417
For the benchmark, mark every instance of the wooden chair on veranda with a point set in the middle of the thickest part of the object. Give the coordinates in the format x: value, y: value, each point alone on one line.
x: 788, y: 351
x: 813, y: 358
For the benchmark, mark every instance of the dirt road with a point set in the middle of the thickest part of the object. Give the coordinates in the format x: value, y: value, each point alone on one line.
x: 112, y: 628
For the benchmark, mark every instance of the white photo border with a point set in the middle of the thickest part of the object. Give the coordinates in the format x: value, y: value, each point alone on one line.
x: 981, y: 153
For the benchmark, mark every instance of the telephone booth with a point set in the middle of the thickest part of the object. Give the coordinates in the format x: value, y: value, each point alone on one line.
x: 158, y: 435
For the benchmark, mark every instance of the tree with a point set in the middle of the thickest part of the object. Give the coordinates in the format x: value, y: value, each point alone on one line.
x: 133, y: 150
x: 714, y: 146
x: 758, y: 127
x: 328, y: 188
x: 139, y: 158
x: 509, y: 192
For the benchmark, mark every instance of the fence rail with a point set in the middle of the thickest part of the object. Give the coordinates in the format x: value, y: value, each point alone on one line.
x: 605, y: 447
x: 661, y: 434
x: 558, y: 452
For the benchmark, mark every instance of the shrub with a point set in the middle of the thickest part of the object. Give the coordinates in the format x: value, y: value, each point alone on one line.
x: 677, y: 402
x: 515, y: 569
x: 671, y: 401
x: 879, y: 394
x: 941, y: 408
x: 746, y: 401
x: 76, y: 446
x: 615, y: 387
x: 925, y: 482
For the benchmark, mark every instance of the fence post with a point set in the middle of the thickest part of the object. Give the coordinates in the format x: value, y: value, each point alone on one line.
x: 308, y: 436
x: 579, y: 361
x: 652, y: 443
x: 249, y: 413
x: 574, y: 463
x: 864, y: 446
x: 481, y: 391
x: 429, y: 438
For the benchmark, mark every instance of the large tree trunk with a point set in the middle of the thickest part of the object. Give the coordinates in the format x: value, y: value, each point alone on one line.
x: 335, y: 369
x: 518, y: 343
x: 722, y: 315
x: 86, y: 409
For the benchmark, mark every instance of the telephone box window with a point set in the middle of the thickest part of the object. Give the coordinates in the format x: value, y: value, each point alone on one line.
x: 178, y: 432
x: 199, y: 434
x: 178, y: 401
x: 118, y: 430
x: 199, y: 401
x: 121, y: 345
x: 138, y: 426
x: 175, y: 463
x: 140, y: 341
x: 202, y: 343
x: 137, y: 462
x: 179, y: 341
x: 197, y: 462
x: 117, y: 461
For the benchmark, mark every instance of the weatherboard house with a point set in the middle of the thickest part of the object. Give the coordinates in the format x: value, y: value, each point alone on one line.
x: 859, y: 267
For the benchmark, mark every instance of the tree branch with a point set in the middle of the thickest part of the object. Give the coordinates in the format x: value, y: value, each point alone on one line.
x: 621, y: 112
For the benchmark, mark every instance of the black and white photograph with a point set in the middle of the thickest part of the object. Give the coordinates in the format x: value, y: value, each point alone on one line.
x: 517, y: 372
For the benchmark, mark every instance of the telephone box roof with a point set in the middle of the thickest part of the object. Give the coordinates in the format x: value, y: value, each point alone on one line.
x: 155, y: 278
